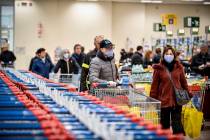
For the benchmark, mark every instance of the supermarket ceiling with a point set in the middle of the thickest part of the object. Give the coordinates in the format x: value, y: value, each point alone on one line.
x: 203, y: 2
x: 206, y: 2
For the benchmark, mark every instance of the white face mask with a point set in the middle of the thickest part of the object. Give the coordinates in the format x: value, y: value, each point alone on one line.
x: 168, y: 58
x: 66, y: 56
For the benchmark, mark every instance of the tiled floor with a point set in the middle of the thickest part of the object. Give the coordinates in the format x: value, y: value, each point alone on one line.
x: 205, y: 134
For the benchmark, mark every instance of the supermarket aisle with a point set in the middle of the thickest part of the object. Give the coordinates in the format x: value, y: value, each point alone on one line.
x: 205, y: 135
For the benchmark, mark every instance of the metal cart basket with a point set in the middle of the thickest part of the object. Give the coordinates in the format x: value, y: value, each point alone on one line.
x: 71, y: 79
x: 132, y: 101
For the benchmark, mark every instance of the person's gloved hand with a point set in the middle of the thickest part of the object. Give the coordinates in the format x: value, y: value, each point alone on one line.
x: 10, y: 62
x: 112, y: 84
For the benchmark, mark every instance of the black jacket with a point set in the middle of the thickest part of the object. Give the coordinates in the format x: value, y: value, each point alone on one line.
x: 34, y: 58
x: 129, y: 55
x: 7, y: 56
x: 123, y: 56
x: 147, y: 62
x: 137, y: 59
x: 85, y: 69
x: 157, y: 58
x: 78, y: 60
x: 198, y: 60
x: 66, y: 68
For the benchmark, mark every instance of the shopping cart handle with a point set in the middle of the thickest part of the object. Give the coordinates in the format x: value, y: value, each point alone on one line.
x: 105, y: 85
x: 95, y: 85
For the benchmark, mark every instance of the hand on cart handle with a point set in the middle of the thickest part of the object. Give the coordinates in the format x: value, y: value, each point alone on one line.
x: 108, y: 84
x: 104, y: 85
x: 112, y: 84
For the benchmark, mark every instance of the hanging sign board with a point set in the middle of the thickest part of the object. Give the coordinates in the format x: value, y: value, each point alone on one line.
x: 191, y: 22
x: 207, y: 29
x: 169, y: 19
x: 181, y: 32
x: 158, y: 27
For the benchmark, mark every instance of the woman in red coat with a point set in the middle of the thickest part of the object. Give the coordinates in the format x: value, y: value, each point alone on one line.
x: 162, y: 89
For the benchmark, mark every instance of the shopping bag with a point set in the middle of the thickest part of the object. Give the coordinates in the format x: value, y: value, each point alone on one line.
x: 192, y: 121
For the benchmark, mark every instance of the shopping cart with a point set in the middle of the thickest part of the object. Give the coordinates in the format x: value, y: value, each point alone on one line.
x: 130, y: 100
x: 70, y: 79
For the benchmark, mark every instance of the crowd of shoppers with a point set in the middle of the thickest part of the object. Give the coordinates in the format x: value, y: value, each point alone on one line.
x: 99, y: 66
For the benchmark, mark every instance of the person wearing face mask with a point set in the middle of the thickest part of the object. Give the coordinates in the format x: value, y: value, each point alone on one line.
x: 137, y: 58
x: 78, y: 58
x: 65, y: 64
x: 102, y: 67
x: 162, y: 89
x: 42, y: 65
x: 148, y: 59
x: 201, y: 62
x: 84, y: 83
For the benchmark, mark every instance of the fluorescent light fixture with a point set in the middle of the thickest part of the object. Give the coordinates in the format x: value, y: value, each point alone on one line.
x: 151, y: 1
x: 206, y: 3
x: 193, y: 0
x: 93, y: 0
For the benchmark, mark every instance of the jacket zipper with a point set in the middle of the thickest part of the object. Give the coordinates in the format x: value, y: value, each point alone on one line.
x: 67, y: 67
x: 112, y: 70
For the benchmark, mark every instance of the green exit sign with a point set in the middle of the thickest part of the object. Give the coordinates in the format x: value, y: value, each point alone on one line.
x: 158, y: 27
x: 191, y: 22
x: 207, y: 29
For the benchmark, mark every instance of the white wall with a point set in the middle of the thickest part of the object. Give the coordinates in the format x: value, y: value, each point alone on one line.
x: 68, y: 22
x: 127, y: 22
x: 65, y: 23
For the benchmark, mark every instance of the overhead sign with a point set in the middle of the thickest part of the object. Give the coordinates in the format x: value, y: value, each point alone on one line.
x: 158, y: 27
x: 169, y: 19
x: 191, y: 22
x: 194, y: 31
x: 169, y: 33
x: 207, y: 29
x: 181, y: 32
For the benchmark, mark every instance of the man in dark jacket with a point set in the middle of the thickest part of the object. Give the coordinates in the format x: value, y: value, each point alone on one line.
x: 42, y: 65
x: 37, y: 56
x: 86, y: 63
x: 7, y: 58
x: 78, y: 58
x: 137, y: 58
x: 201, y: 62
x: 32, y: 61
